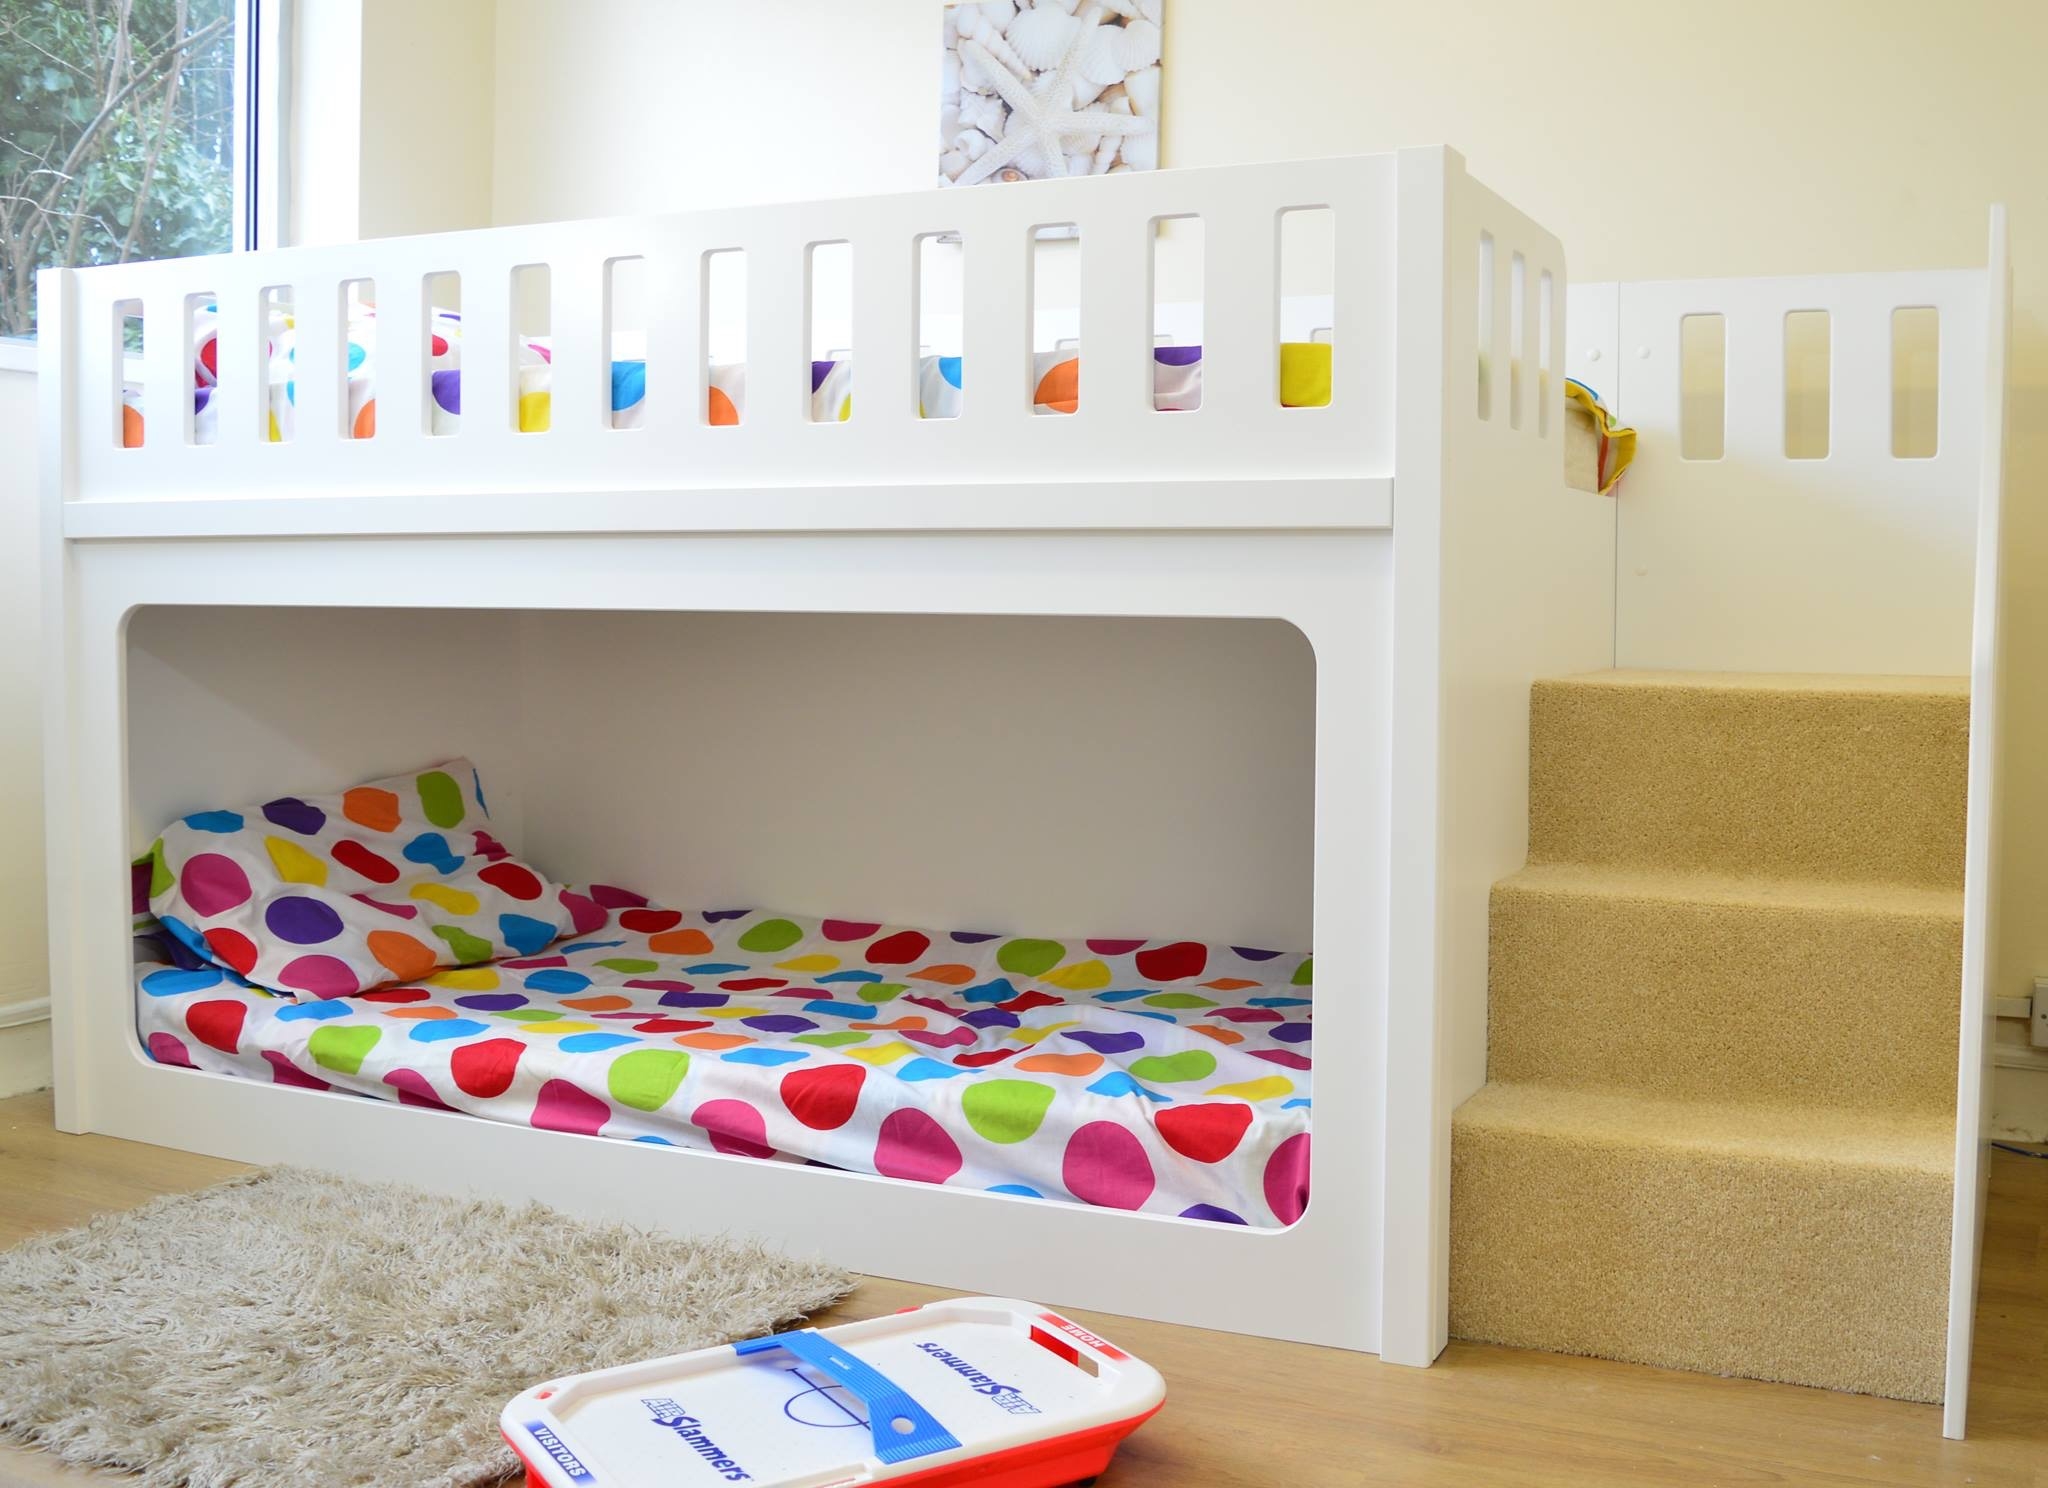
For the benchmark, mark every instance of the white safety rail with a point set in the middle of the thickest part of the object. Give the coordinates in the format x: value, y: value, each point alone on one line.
x: 1733, y: 552
x: 1423, y: 648
x: 997, y: 464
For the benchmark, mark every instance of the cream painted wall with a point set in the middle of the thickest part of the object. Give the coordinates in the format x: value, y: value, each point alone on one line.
x: 427, y: 116
x: 1670, y: 139
x: 24, y: 969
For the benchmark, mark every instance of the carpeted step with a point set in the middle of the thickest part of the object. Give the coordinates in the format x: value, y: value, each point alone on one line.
x: 1699, y: 986
x: 1855, y: 778
x: 1798, y: 1243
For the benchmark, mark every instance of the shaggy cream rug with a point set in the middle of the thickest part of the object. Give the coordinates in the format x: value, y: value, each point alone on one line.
x: 291, y: 1328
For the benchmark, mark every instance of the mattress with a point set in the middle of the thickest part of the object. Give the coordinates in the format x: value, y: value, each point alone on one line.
x: 1164, y: 1077
x: 1177, y: 381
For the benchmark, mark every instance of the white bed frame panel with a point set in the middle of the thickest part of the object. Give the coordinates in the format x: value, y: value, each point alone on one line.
x: 1375, y: 526
x: 1430, y: 556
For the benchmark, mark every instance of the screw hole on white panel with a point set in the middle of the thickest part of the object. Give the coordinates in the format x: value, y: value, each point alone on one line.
x: 1809, y: 371
x: 1518, y: 324
x: 533, y: 311
x: 358, y: 403
x: 1178, y: 252
x: 1702, y: 387
x: 828, y: 331
x: 725, y: 336
x: 1546, y: 349
x: 127, y: 331
x: 201, y: 332
x: 941, y: 325
x: 1053, y: 310
x: 625, y: 342
x: 1485, y: 321
x: 441, y: 351
x: 281, y: 391
x: 1307, y: 315
x: 1916, y: 382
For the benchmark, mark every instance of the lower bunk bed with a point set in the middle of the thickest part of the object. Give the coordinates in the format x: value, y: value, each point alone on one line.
x: 365, y: 943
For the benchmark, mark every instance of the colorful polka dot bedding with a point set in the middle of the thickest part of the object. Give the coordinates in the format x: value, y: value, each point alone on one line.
x: 1168, y: 1077
x: 329, y: 895
x: 1177, y: 381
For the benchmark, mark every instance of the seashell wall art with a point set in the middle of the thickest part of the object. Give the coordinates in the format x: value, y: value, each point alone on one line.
x: 1035, y: 88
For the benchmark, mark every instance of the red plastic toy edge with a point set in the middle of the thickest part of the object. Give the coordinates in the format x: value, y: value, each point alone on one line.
x: 1045, y: 1464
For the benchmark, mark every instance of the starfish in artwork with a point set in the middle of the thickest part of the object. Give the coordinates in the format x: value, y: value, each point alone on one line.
x: 1044, y: 118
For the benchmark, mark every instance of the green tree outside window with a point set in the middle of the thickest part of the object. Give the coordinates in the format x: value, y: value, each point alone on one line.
x: 117, y: 136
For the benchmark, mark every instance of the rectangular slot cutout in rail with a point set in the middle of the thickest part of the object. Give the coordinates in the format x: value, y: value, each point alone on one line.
x: 1052, y: 309
x: 936, y: 382
x: 1916, y: 382
x: 625, y: 342
x: 127, y: 333
x: 1546, y: 378
x: 198, y: 330
x: 828, y: 330
x: 724, y: 353
x: 276, y: 422
x: 1485, y: 321
x: 532, y: 318
x: 1308, y: 306
x: 1809, y: 372
x: 1702, y: 386
x: 1518, y: 312
x: 441, y: 337
x: 358, y: 401
x: 1177, y: 269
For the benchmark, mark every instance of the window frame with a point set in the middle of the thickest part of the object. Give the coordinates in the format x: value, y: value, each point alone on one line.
x: 262, y: 179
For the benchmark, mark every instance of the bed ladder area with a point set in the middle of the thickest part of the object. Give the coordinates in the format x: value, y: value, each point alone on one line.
x: 1736, y: 1089
x: 1719, y: 1126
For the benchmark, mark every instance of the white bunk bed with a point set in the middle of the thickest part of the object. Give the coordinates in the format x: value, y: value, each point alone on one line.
x: 214, y: 612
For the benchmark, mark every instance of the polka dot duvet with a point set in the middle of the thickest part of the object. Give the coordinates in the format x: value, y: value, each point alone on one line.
x: 1171, y: 1077
x: 1056, y: 381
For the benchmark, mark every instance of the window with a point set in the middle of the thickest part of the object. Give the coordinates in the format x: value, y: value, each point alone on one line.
x: 132, y: 131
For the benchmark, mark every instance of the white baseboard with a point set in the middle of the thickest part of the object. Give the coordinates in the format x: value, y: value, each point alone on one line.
x: 24, y: 1046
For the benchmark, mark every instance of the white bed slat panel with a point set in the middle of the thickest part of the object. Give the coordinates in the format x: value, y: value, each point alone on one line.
x: 1859, y: 562
x: 320, y: 403
x: 488, y: 357
x: 240, y: 395
x: 581, y: 379
x: 166, y: 369
x: 402, y: 383
x: 1239, y: 434
x: 1116, y: 322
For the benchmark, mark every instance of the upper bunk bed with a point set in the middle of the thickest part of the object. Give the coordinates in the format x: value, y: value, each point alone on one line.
x: 1406, y: 228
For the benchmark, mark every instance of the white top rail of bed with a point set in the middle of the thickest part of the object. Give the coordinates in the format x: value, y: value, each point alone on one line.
x: 1239, y: 461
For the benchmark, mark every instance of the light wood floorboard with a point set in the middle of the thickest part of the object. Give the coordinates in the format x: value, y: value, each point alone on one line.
x: 1249, y: 1413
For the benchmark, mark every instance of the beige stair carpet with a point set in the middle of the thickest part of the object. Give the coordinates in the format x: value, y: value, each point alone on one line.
x: 1719, y: 1127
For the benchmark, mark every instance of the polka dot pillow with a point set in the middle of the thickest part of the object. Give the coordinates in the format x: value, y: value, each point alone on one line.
x: 328, y: 896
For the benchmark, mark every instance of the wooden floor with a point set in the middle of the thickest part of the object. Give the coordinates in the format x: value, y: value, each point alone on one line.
x: 1246, y: 1413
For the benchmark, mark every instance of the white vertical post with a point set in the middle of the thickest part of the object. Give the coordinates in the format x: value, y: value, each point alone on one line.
x: 59, y: 390
x: 1415, y: 1203
x: 1980, y: 854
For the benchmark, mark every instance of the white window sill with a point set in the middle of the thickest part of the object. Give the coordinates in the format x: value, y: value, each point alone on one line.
x: 17, y: 356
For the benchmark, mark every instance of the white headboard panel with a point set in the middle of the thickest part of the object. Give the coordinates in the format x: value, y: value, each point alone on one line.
x: 1756, y: 559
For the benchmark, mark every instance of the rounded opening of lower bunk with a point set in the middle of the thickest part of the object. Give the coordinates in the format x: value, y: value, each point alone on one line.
x: 512, y: 864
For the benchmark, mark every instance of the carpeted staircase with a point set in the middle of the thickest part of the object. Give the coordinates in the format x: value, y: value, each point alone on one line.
x: 1719, y: 1127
